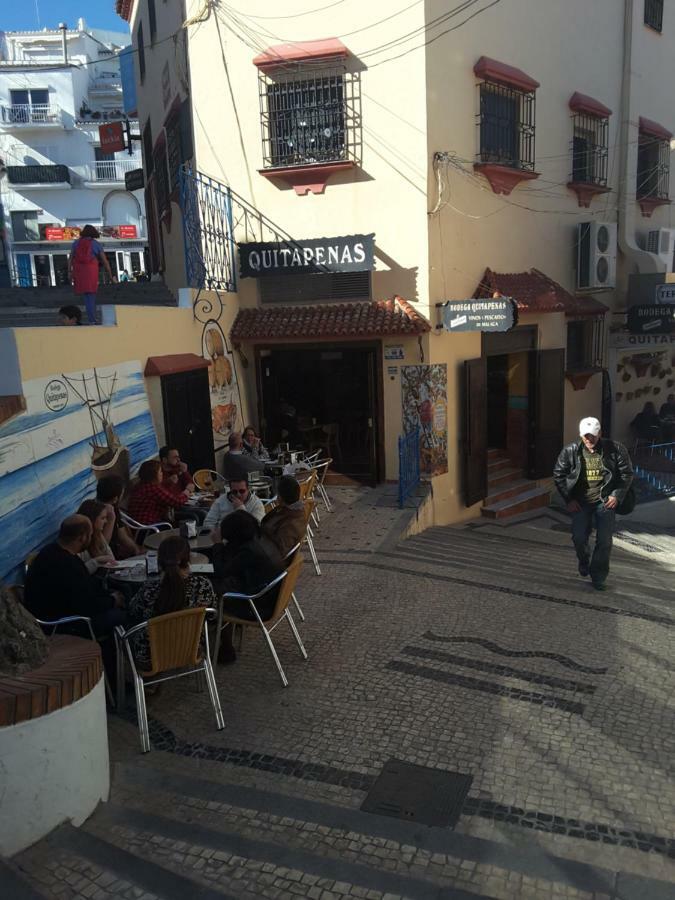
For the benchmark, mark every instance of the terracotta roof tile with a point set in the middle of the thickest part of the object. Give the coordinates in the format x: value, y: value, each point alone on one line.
x: 535, y: 292
x: 344, y: 320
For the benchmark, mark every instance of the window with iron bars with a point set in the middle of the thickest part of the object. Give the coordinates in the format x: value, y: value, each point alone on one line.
x: 585, y: 344
x: 654, y: 14
x: 507, y: 126
x: 589, y: 150
x: 653, y: 167
x: 309, y: 116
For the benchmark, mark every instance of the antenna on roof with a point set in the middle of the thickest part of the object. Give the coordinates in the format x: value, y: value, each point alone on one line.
x: 37, y: 12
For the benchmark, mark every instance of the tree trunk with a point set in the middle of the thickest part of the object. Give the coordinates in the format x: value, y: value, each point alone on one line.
x: 23, y: 646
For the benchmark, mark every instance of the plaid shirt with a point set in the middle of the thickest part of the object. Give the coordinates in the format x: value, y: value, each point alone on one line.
x: 151, y: 503
x: 184, y: 479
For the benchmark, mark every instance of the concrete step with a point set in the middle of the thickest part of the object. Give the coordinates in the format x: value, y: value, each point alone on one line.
x: 497, y: 465
x: 508, y: 489
x: 503, y: 475
x: 15, y: 886
x: 495, y: 453
x: 532, y: 499
x: 145, y: 293
x: 32, y: 317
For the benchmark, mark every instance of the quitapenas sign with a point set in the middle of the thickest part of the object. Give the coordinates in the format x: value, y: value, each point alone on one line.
x: 497, y: 314
x: 353, y: 253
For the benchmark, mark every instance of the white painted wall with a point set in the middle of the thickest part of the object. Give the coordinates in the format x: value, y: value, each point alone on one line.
x: 52, y: 770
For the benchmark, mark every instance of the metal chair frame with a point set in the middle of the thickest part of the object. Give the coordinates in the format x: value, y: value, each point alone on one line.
x: 290, y: 556
x: 320, y: 478
x: 64, y: 620
x: 266, y: 628
x: 137, y: 527
x: 309, y: 534
x: 205, y: 667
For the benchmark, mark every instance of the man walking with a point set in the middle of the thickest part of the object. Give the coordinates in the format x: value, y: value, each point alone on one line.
x: 593, y: 475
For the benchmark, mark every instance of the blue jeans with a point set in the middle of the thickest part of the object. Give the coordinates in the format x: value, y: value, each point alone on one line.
x: 90, y: 303
x: 590, y: 516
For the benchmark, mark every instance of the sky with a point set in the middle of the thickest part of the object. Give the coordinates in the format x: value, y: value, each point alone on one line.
x: 38, y: 14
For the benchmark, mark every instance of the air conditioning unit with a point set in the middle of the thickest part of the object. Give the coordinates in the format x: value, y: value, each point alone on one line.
x: 596, y: 255
x: 661, y: 241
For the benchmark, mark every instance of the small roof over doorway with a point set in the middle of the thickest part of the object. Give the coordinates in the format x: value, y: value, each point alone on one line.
x: 347, y: 321
x: 535, y: 292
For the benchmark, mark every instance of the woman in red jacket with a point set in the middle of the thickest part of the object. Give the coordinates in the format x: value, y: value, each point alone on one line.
x: 85, y: 256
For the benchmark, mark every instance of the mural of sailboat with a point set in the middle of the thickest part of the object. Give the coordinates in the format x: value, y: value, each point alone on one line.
x: 109, y: 456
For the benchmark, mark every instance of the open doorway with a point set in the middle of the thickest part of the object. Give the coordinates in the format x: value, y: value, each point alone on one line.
x: 323, y: 397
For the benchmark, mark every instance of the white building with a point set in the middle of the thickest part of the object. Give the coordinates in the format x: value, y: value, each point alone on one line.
x: 56, y: 88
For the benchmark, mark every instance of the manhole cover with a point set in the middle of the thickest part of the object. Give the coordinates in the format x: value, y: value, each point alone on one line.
x: 418, y: 794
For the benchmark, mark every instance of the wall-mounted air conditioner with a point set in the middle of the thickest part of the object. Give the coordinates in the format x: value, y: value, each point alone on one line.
x: 596, y: 255
x: 661, y: 241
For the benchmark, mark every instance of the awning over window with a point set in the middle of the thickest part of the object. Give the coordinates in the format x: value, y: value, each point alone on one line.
x: 173, y: 363
x: 346, y: 321
x: 301, y: 51
x: 535, y: 292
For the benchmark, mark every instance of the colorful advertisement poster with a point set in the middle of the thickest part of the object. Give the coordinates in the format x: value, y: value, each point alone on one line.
x: 424, y: 396
x: 226, y: 413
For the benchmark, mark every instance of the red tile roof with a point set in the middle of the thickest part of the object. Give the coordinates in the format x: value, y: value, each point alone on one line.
x: 343, y: 320
x: 535, y: 292
x: 123, y: 9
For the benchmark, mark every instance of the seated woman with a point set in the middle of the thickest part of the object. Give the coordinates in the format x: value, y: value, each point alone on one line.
x: 646, y: 424
x: 176, y: 589
x: 98, y: 552
x: 149, y: 501
x: 253, y: 446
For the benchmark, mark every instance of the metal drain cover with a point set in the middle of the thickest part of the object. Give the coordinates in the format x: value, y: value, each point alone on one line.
x: 418, y: 794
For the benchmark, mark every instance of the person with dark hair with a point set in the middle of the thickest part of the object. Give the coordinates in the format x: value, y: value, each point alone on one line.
x: 646, y: 424
x: 238, y: 497
x: 252, y: 445
x: 58, y: 584
x: 667, y: 417
x: 236, y: 461
x: 175, y: 589
x: 175, y: 472
x: 70, y: 315
x: 285, y: 525
x: 109, y: 490
x: 98, y: 552
x: 150, y: 501
x: 83, y: 267
x: 244, y: 563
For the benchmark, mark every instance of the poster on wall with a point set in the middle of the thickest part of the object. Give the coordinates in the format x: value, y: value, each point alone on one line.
x: 424, y: 395
x: 226, y: 413
x: 77, y: 427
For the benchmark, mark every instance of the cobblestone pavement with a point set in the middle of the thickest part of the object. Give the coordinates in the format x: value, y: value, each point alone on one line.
x: 476, y: 650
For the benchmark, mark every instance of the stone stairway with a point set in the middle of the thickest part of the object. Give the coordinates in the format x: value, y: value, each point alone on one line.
x: 509, y: 493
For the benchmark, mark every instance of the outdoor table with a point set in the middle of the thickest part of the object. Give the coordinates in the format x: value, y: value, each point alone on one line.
x: 137, y: 574
x: 201, y: 542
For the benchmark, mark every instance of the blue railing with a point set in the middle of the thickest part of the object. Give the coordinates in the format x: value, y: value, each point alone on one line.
x: 206, y: 206
x: 656, y: 466
x: 408, y: 464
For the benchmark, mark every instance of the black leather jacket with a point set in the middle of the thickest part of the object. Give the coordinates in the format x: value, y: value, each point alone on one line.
x: 618, y: 470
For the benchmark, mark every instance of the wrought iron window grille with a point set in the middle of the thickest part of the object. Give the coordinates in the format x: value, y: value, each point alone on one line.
x: 310, y: 116
x: 653, y: 168
x: 585, y: 344
x: 590, y: 149
x: 507, y: 126
x: 654, y: 14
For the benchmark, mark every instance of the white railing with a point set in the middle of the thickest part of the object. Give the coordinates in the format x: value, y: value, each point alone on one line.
x: 31, y: 114
x: 111, y: 169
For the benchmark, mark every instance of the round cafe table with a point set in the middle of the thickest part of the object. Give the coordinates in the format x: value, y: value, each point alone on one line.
x: 201, y: 542
x: 138, y: 574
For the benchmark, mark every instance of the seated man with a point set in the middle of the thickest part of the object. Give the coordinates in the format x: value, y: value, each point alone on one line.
x: 176, y: 478
x: 235, y: 460
x: 238, y: 497
x: 58, y: 584
x: 285, y: 525
x: 109, y: 490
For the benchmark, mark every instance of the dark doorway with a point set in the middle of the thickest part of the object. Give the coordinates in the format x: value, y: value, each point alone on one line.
x: 187, y: 417
x: 323, y: 397
x: 497, y: 400
x: 43, y: 270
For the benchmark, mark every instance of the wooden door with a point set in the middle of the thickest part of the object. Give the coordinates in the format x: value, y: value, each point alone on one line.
x: 546, y: 410
x: 475, y: 430
x: 187, y: 417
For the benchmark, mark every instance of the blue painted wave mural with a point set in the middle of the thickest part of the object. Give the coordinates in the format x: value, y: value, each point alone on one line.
x: 45, y: 458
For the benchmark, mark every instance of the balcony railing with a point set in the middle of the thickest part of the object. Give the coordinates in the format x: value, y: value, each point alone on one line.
x: 30, y: 114
x: 111, y: 169
x: 38, y: 174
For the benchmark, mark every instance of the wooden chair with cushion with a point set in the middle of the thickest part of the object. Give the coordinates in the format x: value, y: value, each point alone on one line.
x: 208, y: 480
x: 176, y: 650
x: 285, y: 583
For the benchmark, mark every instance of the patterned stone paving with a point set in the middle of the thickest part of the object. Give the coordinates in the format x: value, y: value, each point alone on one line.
x: 477, y: 650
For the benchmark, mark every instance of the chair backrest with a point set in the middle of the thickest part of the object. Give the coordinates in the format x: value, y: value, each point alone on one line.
x: 205, y: 479
x: 291, y: 553
x: 321, y: 469
x: 174, y: 639
x: 309, y: 509
x: 287, y: 586
x: 27, y: 562
x: 307, y: 486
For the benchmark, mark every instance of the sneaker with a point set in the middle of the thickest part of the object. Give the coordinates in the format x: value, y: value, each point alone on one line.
x: 600, y: 585
x: 584, y: 570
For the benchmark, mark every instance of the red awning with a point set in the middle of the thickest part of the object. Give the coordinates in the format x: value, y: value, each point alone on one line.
x: 535, y: 292
x: 653, y: 129
x: 346, y: 321
x: 493, y: 70
x: 173, y: 363
x: 584, y: 104
x: 301, y: 51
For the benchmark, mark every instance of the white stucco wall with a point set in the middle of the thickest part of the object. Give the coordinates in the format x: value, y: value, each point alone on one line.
x: 53, y: 769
